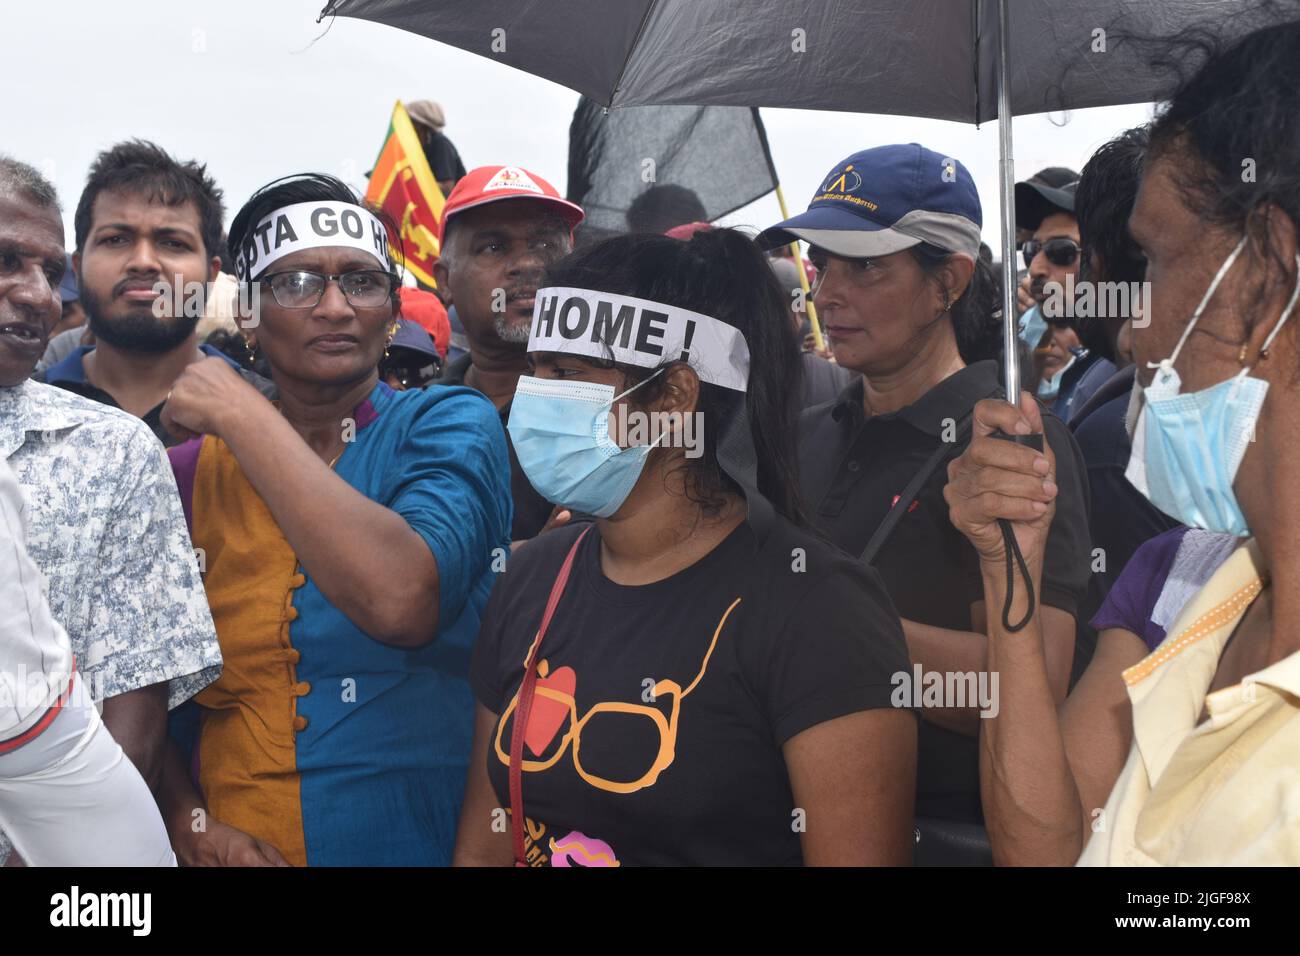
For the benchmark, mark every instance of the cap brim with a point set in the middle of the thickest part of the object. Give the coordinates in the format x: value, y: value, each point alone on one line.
x: 839, y: 232
x: 572, y: 212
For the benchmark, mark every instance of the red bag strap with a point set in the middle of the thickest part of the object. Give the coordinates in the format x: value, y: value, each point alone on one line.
x: 524, y: 706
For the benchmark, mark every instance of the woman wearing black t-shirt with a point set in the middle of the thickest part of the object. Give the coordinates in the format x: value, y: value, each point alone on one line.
x: 715, y: 684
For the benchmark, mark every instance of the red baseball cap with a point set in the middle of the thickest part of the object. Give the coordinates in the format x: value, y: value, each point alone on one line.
x: 688, y: 229
x: 426, y: 310
x: 488, y: 184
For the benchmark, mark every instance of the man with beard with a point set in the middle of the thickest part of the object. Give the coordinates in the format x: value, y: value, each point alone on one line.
x: 101, y: 516
x: 144, y: 222
x: 501, y: 227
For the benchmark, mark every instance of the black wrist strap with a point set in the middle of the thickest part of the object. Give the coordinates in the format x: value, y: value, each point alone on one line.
x: 1016, y: 560
x: 895, y: 514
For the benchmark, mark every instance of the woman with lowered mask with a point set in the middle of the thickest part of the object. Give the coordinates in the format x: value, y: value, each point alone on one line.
x: 1179, y: 745
x: 692, y: 679
x: 347, y: 534
x: 895, y: 234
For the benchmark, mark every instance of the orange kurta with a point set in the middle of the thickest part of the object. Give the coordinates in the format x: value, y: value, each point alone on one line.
x: 247, y: 762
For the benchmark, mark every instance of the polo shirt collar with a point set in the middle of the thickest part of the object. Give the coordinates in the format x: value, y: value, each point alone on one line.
x: 1167, y: 689
x: 950, y: 399
x: 72, y: 369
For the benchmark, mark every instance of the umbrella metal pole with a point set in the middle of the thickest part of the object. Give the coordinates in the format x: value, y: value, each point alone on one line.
x: 1006, y: 166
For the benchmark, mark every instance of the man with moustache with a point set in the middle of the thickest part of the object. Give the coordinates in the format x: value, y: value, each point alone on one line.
x: 145, y: 221
x: 101, y: 516
x: 501, y: 227
x: 1052, y: 253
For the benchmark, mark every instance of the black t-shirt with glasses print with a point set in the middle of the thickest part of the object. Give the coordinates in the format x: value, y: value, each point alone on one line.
x: 656, y: 732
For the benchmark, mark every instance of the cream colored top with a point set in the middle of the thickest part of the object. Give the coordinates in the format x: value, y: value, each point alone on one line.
x: 1226, y: 792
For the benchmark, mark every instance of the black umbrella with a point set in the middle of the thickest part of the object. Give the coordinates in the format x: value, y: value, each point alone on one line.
x: 964, y: 60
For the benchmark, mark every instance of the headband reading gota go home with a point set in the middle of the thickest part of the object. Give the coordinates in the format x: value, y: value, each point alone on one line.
x: 311, y: 225
x: 632, y: 331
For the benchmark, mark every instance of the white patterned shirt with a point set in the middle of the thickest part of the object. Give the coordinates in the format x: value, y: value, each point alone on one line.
x: 35, y: 658
x: 105, y: 527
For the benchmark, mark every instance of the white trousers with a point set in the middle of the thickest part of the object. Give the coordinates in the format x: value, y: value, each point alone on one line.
x: 71, y: 797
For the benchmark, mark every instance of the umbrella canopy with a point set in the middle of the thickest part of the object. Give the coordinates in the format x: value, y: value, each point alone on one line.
x: 940, y: 59
x: 929, y: 58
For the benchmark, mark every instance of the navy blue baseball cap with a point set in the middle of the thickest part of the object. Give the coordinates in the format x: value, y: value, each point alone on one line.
x: 884, y: 200
x: 410, y: 335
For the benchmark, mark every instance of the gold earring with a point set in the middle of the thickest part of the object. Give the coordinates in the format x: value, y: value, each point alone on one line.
x: 1241, y: 355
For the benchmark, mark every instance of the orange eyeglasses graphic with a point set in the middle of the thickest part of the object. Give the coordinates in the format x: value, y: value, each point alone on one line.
x: 666, y: 726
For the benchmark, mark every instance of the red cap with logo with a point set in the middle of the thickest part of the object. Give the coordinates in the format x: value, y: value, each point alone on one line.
x: 488, y: 184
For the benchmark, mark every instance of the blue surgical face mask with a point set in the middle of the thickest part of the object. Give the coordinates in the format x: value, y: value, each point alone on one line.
x: 1033, y: 326
x: 560, y: 430
x: 1187, y: 448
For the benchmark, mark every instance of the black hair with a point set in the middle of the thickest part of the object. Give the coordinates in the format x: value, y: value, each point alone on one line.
x: 663, y: 207
x: 301, y: 187
x: 1103, y: 203
x: 1239, y: 116
x: 720, y: 273
x: 17, y: 177
x: 232, y: 345
x: 976, y: 319
x: 141, y: 168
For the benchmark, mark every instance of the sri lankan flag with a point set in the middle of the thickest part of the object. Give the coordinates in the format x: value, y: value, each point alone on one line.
x: 403, y: 186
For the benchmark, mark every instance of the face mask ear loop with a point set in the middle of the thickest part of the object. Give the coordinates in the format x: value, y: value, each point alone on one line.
x: 637, y: 385
x: 1286, y: 314
x: 1167, y: 365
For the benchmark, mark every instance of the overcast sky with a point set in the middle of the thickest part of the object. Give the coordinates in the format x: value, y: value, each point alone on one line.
x: 252, y: 88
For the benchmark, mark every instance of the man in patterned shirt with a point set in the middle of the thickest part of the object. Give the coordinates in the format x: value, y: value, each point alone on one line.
x: 104, y: 520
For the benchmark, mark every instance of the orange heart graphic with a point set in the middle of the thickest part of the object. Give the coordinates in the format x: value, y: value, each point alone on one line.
x: 548, y: 714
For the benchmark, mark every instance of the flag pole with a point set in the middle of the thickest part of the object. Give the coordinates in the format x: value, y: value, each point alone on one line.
x: 803, y: 278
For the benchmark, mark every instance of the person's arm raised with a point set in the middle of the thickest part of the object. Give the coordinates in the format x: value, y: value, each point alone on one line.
x: 1031, y: 803
x: 365, y: 558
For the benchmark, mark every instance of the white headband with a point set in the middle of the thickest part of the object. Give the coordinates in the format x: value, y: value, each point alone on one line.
x: 311, y: 225
x: 633, y: 331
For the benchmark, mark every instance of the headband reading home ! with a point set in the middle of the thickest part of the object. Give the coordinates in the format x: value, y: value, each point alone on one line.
x: 311, y: 225
x: 632, y: 331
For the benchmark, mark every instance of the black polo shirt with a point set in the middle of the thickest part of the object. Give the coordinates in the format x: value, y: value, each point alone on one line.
x: 852, y: 469
x: 531, y: 509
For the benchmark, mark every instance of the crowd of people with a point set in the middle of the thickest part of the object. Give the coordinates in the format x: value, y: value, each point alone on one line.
x: 585, y: 556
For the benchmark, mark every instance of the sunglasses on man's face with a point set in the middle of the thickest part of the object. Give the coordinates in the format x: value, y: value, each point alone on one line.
x: 413, y: 371
x: 1059, y: 251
